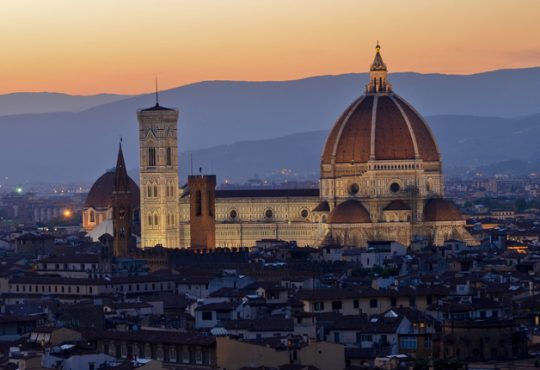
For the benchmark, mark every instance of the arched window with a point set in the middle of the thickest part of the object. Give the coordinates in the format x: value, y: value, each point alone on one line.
x: 92, y: 216
x: 150, y: 219
x: 149, y: 191
x: 151, y: 156
x: 198, y: 203
x: 210, y: 204
x: 169, y: 156
x: 156, y: 219
x: 155, y: 191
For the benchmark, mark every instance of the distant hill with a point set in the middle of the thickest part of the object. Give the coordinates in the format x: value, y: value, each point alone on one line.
x: 45, y: 102
x: 70, y: 146
x: 465, y: 142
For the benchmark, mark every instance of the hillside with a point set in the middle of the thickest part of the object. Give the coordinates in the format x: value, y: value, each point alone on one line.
x: 70, y: 146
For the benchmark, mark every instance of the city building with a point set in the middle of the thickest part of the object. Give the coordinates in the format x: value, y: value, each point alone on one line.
x: 381, y: 179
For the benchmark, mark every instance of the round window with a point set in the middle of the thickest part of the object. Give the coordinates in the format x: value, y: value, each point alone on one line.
x: 354, y: 188
x: 233, y: 214
x: 304, y: 213
x: 394, y: 188
x: 268, y: 213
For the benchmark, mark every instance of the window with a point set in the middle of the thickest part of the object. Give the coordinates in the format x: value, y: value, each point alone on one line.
x: 356, y: 304
x: 155, y: 191
x: 150, y: 219
x: 412, y: 301
x: 210, y: 204
x: 336, y: 305
x: 151, y: 156
x: 92, y: 216
x: 149, y: 191
x: 186, y: 356
x: 394, y: 187
x: 429, y: 299
x: 336, y: 337
x: 407, y: 342
x: 147, y: 352
x: 393, y: 301
x: 156, y: 219
x: 304, y: 213
x: 233, y: 214
x: 268, y: 213
x: 159, y: 354
x: 172, y: 354
x: 364, y: 337
x: 373, y: 303
x: 198, y: 356
x: 318, y: 306
x: 169, y: 157
x: 427, y: 342
x: 207, y: 315
x: 198, y: 203
x: 495, y: 313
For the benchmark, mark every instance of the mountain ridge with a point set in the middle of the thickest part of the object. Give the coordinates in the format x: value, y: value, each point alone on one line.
x: 80, y: 144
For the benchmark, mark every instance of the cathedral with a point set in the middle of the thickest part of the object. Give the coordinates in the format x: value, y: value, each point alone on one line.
x: 380, y: 179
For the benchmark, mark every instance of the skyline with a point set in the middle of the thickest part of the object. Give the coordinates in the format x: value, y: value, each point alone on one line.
x: 85, y: 48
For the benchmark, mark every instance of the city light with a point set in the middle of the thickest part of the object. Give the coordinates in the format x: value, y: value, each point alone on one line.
x: 19, y: 189
x: 67, y: 213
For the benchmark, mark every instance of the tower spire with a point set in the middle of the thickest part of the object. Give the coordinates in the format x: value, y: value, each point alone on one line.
x: 121, y: 179
x: 378, y: 75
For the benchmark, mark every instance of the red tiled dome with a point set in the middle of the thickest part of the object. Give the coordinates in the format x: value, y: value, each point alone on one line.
x: 349, y: 212
x: 386, y: 122
x: 100, y: 194
x: 439, y: 209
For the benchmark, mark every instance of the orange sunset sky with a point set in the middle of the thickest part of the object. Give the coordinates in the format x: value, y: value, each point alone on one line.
x: 118, y: 46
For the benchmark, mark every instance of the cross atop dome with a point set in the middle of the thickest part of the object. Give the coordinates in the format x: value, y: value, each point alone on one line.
x: 378, y: 75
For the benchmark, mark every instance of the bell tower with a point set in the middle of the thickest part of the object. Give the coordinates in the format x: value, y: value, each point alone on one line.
x: 122, y: 212
x: 158, y: 147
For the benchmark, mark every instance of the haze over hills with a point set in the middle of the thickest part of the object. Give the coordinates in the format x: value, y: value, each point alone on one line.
x: 466, y: 142
x: 46, y: 102
x: 73, y: 146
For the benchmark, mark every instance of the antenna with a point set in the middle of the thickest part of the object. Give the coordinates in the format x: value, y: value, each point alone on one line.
x: 157, y: 94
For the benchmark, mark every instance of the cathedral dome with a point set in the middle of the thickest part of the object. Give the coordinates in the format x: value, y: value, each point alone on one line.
x: 379, y: 125
x: 349, y: 212
x: 100, y: 194
x: 439, y: 209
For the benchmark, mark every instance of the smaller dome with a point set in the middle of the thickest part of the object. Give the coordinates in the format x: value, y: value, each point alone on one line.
x: 100, y: 194
x: 439, y: 209
x: 349, y: 212
x: 323, y: 206
x: 397, y: 205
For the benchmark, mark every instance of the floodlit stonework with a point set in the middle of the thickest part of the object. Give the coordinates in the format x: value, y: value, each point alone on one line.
x: 381, y: 179
x: 159, y: 176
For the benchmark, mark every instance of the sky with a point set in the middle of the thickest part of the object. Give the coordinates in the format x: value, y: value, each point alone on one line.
x: 87, y: 47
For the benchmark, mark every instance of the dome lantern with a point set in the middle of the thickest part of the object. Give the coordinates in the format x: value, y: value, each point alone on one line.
x: 378, y: 75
